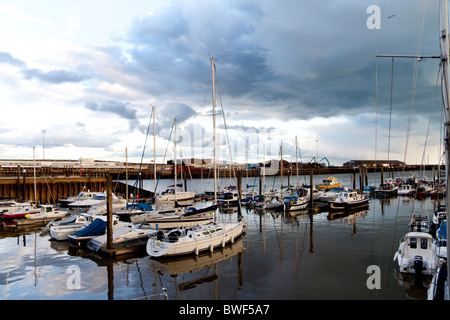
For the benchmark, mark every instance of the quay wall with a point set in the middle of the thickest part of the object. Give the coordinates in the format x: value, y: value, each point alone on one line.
x: 56, y: 183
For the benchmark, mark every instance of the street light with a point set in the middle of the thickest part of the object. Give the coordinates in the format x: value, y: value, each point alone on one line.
x: 43, y: 143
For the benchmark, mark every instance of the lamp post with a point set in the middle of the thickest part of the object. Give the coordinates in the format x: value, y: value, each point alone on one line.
x: 43, y: 143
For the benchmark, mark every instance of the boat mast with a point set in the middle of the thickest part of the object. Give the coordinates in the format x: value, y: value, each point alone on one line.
x: 154, y: 149
x: 214, y: 130
x: 444, y: 44
x: 34, y: 175
x: 175, y: 159
x: 296, y: 160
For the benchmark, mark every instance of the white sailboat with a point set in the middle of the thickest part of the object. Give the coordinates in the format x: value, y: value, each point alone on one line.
x: 178, y: 242
x: 199, y: 238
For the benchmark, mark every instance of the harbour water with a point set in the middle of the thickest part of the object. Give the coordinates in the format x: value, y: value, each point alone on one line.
x: 280, y: 257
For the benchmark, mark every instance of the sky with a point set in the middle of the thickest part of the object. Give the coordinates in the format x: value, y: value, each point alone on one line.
x: 79, y: 79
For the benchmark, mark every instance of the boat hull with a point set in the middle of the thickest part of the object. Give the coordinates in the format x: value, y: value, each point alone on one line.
x: 185, y: 246
x: 354, y: 205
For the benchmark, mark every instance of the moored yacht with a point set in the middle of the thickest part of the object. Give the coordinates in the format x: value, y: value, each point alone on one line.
x: 177, y: 242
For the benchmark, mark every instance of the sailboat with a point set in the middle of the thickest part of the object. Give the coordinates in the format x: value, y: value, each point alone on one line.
x: 172, y: 196
x: 199, y: 238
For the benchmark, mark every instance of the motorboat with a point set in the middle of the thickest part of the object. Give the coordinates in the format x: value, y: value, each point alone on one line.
x: 11, y: 206
x: 187, y: 218
x: 416, y: 254
x: 419, y: 222
x: 101, y: 208
x: 46, y: 213
x: 60, y: 231
x: 122, y: 235
x: 407, y: 190
x: 295, y: 203
x: 328, y: 183
x: 177, y: 242
x: 172, y: 197
x: 83, y: 206
x: 331, y: 194
x: 387, y: 189
x: 272, y: 203
x: 424, y: 190
x: 349, y: 200
x: 227, y: 199
x: 133, y: 209
x: 21, y: 212
x: 94, y: 229
x: 83, y: 195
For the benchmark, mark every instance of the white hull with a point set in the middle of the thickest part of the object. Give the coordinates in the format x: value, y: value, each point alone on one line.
x: 179, y: 222
x: 120, y: 235
x: 196, y: 241
x: 61, y: 233
x: 171, y: 198
x: 416, y: 252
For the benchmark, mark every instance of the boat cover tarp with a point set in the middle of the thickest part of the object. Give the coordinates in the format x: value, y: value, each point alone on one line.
x: 142, y: 206
x: 96, y: 228
x: 443, y: 230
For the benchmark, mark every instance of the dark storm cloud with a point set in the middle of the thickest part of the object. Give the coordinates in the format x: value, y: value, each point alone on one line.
x: 299, y: 59
x: 111, y: 106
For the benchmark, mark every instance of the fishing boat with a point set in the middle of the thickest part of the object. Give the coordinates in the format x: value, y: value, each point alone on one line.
x: 349, y: 200
x: 416, y: 255
x: 419, y: 222
x: 407, y: 189
x: 328, y: 183
x: 46, y: 213
x: 177, y: 242
x: 387, y: 189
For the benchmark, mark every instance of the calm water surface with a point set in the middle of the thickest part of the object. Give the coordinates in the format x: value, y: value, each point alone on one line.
x: 307, y: 257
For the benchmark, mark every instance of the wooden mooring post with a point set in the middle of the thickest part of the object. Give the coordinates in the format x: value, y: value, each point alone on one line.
x: 109, y: 229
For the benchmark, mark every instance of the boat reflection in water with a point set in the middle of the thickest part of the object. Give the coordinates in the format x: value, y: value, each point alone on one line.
x: 183, y: 268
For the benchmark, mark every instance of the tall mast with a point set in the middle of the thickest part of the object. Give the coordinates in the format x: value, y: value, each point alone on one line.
x: 296, y: 160
x: 175, y: 159
x: 214, y: 130
x: 154, y: 148
x: 444, y: 44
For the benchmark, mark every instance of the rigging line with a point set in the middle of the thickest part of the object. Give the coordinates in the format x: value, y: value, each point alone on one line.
x: 416, y: 67
x: 226, y: 132
x: 416, y: 71
x: 164, y: 158
x: 143, y: 151
x: 390, y: 107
